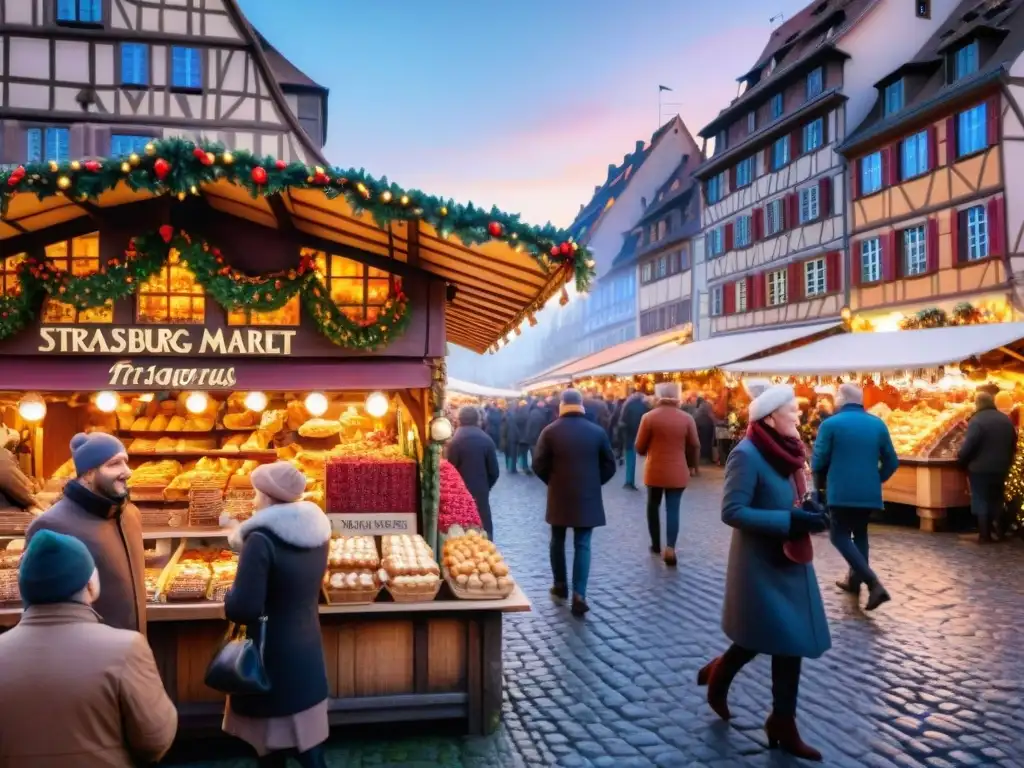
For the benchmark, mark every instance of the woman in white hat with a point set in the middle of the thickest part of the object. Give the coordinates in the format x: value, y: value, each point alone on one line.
x: 772, y: 600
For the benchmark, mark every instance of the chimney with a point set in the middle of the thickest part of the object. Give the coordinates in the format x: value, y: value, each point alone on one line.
x: 643, y: 203
x: 612, y: 169
x: 640, y: 145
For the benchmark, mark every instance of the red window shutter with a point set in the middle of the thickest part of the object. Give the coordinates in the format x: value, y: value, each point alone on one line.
x: 855, y: 179
x: 792, y: 211
x: 933, y: 148
x: 795, y: 289
x: 732, y: 179
x: 729, y: 236
x: 856, y: 263
x: 954, y: 235
x: 825, y: 197
x: 992, y: 119
x: 729, y: 298
x: 932, y: 244
x: 950, y: 140
x: 890, y: 166
x: 757, y: 299
x: 996, y: 226
x: 757, y: 223
x: 889, y: 257
x: 751, y: 288
x: 832, y: 267
x: 795, y: 145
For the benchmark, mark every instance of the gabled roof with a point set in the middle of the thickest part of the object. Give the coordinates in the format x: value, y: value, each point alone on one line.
x: 675, y: 193
x: 627, y: 253
x: 618, y: 179
x: 286, y: 73
x: 1001, y: 21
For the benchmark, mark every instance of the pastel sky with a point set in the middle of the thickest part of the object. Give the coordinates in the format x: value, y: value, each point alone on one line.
x: 518, y: 104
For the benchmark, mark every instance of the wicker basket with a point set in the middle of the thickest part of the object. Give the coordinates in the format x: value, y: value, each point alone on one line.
x: 422, y: 595
x: 350, y: 596
x: 474, y: 594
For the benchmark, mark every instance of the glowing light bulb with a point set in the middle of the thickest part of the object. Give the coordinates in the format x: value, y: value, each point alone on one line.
x: 316, y: 403
x: 377, y: 404
x: 256, y: 401
x: 107, y: 401
x: 197, y: 402
x: 32, y: 407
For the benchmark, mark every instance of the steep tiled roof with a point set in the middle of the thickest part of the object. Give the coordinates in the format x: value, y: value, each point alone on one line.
x: 284, y: 71
x: 615, y: 184
x: 675, y: 192
x: 1001, y: 21
x: 627, y: 254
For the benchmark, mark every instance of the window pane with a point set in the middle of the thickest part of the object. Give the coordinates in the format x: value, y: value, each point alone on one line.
x: 347, y: 291
x: 134, y: 64
x: 972, y: 135
x: 123, y: 144
x: 871, y: 173
x: 914, y: 252
x: 34, y: 152
x: 186, y: 67
x: 57, y: 144
x: 977, y: 233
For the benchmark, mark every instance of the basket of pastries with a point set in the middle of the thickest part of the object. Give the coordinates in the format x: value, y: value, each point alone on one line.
x: 223, y: 569
x: 9, y: 560
x: 152, y: 577
x: 351, y: 576
x: 151, y: 478
x: 474, y: 568
x: 409, y: 570
x: 189, y: 579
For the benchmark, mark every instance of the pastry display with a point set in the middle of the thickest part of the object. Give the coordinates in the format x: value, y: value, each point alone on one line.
x: 9, y: 592
x: 352, y: 553
x: 152, y: 583
x: 223, y: 570
x: 190, y: 579
x: 408, y: 568
x: 475, y: 566
x: 915, y: 432
x: 320, y: 428
x: 352, y: 581
x: 351, y: 575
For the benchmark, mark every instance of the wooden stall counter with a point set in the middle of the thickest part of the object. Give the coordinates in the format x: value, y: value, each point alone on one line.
x: 932, y: 486
x: 386, y: 662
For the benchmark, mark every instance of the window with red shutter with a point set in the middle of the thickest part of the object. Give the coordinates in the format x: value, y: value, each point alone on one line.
x: 751, y: 292
x: 933, y: 148
x: 729, y: 236
x: 954, y: 235
x: 795, y: 145
x: 795, y: 286
x: 825, y: 197
x: 758, y: 297
x: 891, y: 165
x: 993, y: 115
x: 729, y: 298
x: 932, y: 244
x: 856, y: 262
x: 996, y: 227
x: 950, y: 140
x: 890, y: 256
x: 757, y: 223
x: 732, y: 179
x: 833, y: 266
x: 792, y: 217
x: 855, y: 179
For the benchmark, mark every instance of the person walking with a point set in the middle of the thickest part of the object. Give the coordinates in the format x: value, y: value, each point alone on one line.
x: 853, y: 456
x: 667, y: 436
x: 539, y: 418
x: 283, y: 556
x: 493, y: 423
x: 574, y: 459
x: 596, y: 409
x: 522, y: 418
x: 472, y: 452
x: 511, y: 439
x: 632, y: 412
x: 75, y: 691
x: 772, y: 601
x: 987, y: 455
x: 96, y: 511
x: 704, y: 418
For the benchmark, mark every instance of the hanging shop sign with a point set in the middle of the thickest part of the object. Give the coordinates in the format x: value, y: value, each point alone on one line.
x: 125, y: 374
x: 165, y: 341
x: 372, y: 523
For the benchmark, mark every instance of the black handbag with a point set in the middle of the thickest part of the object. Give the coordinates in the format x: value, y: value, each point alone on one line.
x: 237, y: 668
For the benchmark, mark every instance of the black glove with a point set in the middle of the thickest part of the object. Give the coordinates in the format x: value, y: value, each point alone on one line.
x: 801, y: 521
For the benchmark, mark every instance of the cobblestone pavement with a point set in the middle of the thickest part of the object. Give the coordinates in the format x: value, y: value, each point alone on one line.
x: 933, y: 679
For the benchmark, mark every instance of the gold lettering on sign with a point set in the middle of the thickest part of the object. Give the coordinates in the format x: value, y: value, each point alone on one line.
x: 164, y: 341
x: 125, y: 374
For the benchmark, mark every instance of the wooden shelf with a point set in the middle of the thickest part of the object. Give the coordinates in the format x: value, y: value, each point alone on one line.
x: 153, y: 534
x: 150, y: 434
x: 199, y: 454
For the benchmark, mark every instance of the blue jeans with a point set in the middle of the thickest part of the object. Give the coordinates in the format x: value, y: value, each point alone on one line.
x: 673, y: 499
x: 630, y: 466
x: 849, y: 536
x: 580, y: 557
x: 525, y: 461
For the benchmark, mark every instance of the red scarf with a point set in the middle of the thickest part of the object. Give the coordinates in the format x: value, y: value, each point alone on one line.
x: 785, y: 454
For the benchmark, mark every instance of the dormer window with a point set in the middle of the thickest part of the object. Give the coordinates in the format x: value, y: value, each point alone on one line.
x: 79, y: 11
x: 965, y: 60
x: 893, y: 98
x: 776, y: 106
x: 924, y: 9
x: 815, y: 83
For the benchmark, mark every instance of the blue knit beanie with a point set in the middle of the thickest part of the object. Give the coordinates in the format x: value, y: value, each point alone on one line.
x: 572, y: 397
x: 93, y: 450
x: 54, y: 568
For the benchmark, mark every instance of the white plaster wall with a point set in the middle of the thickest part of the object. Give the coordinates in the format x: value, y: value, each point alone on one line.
x: 1013, y: 161
x: 888, y: 35
x: 701, y: 314
x: 209, y: 19
x: 666, y: 291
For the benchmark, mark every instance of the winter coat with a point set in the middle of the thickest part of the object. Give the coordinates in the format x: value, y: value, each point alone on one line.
x: 113, y: 535
x: 521, y: 419
x: 539, y: 418
x: 772, y: 605
x: 597, y: 412
x: 472, y: 452
x: 855, y: 449
x: 15, y: 488
x: 280, y: 573
x: 574, y: 459
x: 990, y: 443
x: 668, y: 438
x: 79, y: 693
x: 632, y: 412
x: 493, y: 424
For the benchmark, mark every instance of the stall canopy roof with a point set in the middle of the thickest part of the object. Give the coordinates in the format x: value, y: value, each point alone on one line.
x: 886, y: 351
x: 710, y: 353
x: 501, y: 269
x: 479, y: 390
x: 585, y: 366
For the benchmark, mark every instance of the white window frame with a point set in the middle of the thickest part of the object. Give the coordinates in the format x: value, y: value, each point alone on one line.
x: 810, y: 208
x: 774, y: 217
x: 871, y: 173
x: 741, y: 295
x: 915, y: 251
x: 814, y: 135
x: 815, y: 83
x: 815, y: 278
x: 777, y: 106
x: 742, y: 235
x: 978, y: 242
x: 914, y: 156
x: 972, y: 130
x: 777, y: 162
x: 893, y: 98
x: 777, y: 287
x: 871, y: 260
x: 716, y: 301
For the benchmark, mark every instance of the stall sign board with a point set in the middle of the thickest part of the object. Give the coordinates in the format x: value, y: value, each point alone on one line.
x: 372, y: 523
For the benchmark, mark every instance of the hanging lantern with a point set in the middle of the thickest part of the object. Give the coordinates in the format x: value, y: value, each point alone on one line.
x: 32, y: 407
x: 197, y: 402
x: 256, y: 401
x: 106, y: 402
x: 316, y: 403
x: 377, y: 404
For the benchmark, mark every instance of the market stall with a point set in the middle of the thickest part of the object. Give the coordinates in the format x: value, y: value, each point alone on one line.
x: 922, y: 384
x: 218, y: 310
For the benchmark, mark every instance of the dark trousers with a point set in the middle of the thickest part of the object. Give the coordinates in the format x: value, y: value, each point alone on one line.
x: 987, y: 502
x: 785, y: 677
x: 849, y: 535
x: 580, y: 557
x: 313, y: 758
x: 673, y: 499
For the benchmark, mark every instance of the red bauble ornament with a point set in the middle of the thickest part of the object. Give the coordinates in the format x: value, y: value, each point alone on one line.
x: 166, y: 233
x: 93, y: 166
x: 495, y: 229
x: 199, y: 154
x: 565, y: 249
x: 280, y: 165
x: 16, y: 176
x: 554, y: 250
x: 161, y: 168
x: 321, y: 178
x: 259, y: 175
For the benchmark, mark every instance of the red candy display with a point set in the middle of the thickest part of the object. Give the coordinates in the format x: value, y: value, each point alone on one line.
x: 358, y: 484
x: 457, y: 506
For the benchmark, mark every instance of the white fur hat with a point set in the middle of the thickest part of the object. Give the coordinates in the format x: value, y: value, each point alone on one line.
x: 667, y: 390
x: 770, y: 400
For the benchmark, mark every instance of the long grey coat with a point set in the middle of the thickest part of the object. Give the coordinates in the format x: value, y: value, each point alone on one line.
x: 772, y: 605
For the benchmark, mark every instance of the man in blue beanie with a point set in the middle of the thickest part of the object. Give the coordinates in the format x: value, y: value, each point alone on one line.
x: 76, y: 692
x: 95, y: 510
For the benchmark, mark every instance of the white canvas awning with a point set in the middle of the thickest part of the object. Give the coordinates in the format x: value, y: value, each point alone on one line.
x: 708, y: 353
x: 885, y: 351
x: 479, y: 390
x: 537, y: 386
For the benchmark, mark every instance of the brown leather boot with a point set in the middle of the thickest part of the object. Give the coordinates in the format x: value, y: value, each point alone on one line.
x: 717, y: 679
x: 669, y: 556
x: 783, y: 734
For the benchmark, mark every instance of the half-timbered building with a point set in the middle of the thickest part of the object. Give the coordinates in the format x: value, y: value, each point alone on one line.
x: 82, y: 78
x: 773, y: 190
x: 930, y: 225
